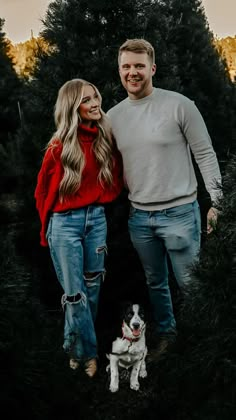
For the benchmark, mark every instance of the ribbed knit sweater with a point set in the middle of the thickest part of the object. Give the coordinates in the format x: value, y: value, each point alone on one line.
x: 90, y: 191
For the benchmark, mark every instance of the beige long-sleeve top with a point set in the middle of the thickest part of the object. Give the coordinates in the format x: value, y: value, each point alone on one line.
x: 155, y: 135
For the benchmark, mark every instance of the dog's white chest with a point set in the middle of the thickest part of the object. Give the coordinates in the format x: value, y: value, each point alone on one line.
x: 128, y: 352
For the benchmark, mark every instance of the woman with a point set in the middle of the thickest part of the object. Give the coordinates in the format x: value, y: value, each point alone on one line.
x: 81, y: 171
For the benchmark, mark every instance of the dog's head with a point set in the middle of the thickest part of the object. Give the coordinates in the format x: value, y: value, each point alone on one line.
x: 133, y: 322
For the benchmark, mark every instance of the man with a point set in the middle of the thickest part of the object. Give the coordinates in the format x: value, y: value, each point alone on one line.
x: 156, y: 130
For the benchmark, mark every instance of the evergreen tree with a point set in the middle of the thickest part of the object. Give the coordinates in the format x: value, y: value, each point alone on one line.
x: 9, y: 112
x: 87, y: 36
x: 203, y: 73
x: 9, y: 85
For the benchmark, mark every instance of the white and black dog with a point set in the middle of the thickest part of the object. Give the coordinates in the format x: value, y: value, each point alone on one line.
x: 130, y: 350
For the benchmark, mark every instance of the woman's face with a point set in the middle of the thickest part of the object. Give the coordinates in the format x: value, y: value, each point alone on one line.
x: 89, y: 109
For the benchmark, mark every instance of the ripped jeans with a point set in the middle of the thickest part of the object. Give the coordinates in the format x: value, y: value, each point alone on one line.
x: 77, y: 242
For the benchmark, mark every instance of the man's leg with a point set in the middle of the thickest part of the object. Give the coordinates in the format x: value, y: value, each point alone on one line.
x: 182, y: 239
x: 152, y: 253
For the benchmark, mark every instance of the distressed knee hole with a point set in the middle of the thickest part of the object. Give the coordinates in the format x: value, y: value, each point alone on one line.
x: 89, y: 276
x: 93, y: 279
x: 73, y: 299
x: 101, y: 249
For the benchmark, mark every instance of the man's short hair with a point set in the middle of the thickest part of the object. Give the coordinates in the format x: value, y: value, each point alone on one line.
x: 138, y: 46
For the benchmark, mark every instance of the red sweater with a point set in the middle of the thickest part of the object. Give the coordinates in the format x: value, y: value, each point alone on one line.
x: 90, y: 190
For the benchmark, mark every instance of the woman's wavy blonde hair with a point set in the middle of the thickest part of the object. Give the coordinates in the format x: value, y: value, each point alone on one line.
x: 67, y: 119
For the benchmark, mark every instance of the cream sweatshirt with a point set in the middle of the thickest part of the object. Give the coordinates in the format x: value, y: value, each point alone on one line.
x: 155, y: 135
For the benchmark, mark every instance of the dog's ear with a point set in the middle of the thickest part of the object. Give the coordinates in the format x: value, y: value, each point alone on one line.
x: 142, y: 311
x: 124, y: 307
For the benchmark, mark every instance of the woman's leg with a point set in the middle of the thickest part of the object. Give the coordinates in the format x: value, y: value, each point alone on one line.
x: 95, y: 249
x: 65, y: 236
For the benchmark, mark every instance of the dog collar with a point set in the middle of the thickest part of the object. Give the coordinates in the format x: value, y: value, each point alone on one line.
x: 130, y: 339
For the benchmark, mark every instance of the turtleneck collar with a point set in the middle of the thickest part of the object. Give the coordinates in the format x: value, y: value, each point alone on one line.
x: 87, y: 133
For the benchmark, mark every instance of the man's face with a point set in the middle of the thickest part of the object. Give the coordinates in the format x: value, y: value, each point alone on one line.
x: 136, y: 73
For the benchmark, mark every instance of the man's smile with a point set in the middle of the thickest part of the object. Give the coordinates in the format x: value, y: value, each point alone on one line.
x: 134, y: 80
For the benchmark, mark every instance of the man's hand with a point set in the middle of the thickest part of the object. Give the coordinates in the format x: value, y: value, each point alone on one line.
x: 212, y: 219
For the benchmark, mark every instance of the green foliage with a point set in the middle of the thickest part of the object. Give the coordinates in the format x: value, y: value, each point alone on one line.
x: 10, y: 94
x: 87, y: 37
x: 9, y: 90
x: 202, y: 73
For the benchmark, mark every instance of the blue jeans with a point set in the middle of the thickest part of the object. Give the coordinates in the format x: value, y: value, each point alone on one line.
x: 155, y: 234
x: 77, y: 241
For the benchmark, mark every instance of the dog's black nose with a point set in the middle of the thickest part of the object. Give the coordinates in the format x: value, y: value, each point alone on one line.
x: 136, y: 325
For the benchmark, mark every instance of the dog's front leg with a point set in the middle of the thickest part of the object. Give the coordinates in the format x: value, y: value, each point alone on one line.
x: 134, y: 383
x: 114, y: 370
x: 143, y: 370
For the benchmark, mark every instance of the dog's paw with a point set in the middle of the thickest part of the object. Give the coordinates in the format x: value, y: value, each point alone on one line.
x: 134, y: 386
x: 143, y: 373
x: 113, y: 388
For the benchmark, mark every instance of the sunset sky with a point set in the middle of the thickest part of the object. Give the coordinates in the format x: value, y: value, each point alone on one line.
x: 22, y: 16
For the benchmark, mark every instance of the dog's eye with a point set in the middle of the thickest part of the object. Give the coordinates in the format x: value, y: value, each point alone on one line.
x: 141, y: 314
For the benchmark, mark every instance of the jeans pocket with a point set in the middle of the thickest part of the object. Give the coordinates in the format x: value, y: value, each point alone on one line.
x: 99, y: 211
x: 132, y: 211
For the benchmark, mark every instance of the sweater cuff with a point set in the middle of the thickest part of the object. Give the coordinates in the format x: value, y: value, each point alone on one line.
x: 216, y: 193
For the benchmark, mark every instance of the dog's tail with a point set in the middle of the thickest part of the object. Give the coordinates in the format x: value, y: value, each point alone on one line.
x: 108, y: 356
